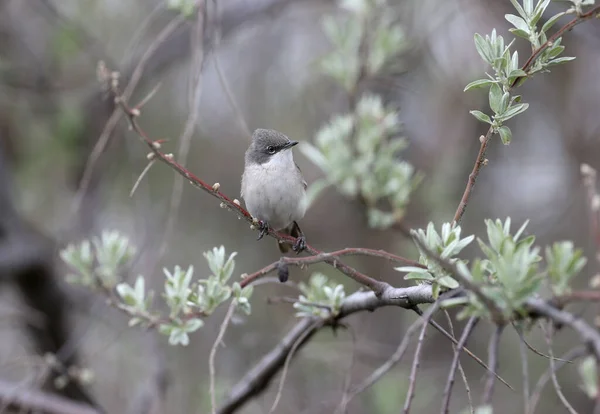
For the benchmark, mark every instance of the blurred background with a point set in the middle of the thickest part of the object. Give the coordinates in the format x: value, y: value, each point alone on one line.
x: 58, y: 186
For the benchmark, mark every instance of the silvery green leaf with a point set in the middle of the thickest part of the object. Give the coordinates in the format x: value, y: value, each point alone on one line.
x: 495, y: 98
x: 519, y: 9
x: 513, y: 111
x: 179, y: 336
x: 539, y: 10
x: 483, y: 49
x: 558, y: 61
x: 228, y: 268
x: 419, y: 276
x: 127, y: 294
x: 481, y: 116
x: 505, y: 134
x: 521, y: 230
x: 448, y: 303
x: 528, y: 6
x: 555, y: 51
x: 193, y: 325
x: 448, y: 282
x: 550, y: 22
x: 518, y: 22
x: 504, y: 102
x: 588, y: 371
x: 410, y: 269
x: 480, y: 83
x: 139, y: 290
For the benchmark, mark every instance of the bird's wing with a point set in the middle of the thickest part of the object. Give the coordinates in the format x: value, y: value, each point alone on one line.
x: 304, y: 183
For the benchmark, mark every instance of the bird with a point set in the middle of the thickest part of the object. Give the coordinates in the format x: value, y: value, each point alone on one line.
x: 273, y: 188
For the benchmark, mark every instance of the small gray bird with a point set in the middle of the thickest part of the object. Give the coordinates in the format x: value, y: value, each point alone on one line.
x: 273, y: 187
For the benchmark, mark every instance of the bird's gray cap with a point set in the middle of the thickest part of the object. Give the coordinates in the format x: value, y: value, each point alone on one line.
x: 265, y: 144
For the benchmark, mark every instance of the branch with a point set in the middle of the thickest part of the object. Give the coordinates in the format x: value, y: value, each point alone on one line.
x: 455, y: 363
x: 321, y: 257
x: 14, y: 397
x: 480, y: 160
x: 232, y: 205
x: 259, y: 377
x: 493, y: 364
x: 589, y: 335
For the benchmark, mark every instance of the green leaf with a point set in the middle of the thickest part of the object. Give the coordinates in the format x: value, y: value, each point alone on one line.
x: 480, y: 83
x: 505, y: 134
x: 481, y: 116
x: 539, y: 10
x: 520, y: 33
x: 495, y: 98
x: 419, y: 276
x: 518, y: 22
x: 513, y: 111
x: 550, y: 22
x: 588, y: 372
x: 519, y: 9
x: 558, y: 61
x: 528, y: 6
x: 483, y: 49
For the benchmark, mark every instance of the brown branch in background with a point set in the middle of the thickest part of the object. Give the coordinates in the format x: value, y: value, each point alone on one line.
x: 213, y: 353
x: 110, y: 125
x: 460, y: 367
x: 549, y: 333
x: 185, y: 139
x: 314, y: 327
x: 17, y: 399
x: 412, y: 382
x: 485, y: 139
x: 493, y: 364
x: 590, y: 335
x: 531, y: 348
x: 224, y: 83
x: 456, y: 362
x: 258, y: 378
x: 572, y: 354
x: 342, y: 407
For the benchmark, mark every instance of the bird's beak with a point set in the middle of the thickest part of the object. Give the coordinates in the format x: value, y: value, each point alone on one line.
x: 290, y: 144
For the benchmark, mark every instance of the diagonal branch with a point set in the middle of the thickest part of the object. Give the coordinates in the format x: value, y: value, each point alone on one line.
x: 485, y: 139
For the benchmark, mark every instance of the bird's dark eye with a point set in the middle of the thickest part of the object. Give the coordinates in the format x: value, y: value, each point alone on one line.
x: 271, y: 149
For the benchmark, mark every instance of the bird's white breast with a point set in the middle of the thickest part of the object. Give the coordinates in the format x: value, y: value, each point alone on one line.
x: 274, y: 192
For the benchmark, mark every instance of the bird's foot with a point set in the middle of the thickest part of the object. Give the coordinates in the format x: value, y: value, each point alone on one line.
x: 299, y: 244
x: 263, y: 228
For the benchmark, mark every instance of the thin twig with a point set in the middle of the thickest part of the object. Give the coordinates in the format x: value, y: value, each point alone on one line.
x: 572, y: 354
x: 415, y: 366
x: 480, y: 160
x: 531, y: 348
x: 549, y: 333
x: 195, y: 90
x: 525, y: 373
x: 456, y: 363
x: 452, y: 339
x: 493, y: 364
x: 322, y: 257
x: 342, y: 407
x: 116, y: 115
x: 222, y: 79
x: 286, y: 365
x: 460, y: 367
x: 213, y: 353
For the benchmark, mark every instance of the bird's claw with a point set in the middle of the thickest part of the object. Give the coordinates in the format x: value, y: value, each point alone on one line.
x: 263, y: 226
x: 299, y: 245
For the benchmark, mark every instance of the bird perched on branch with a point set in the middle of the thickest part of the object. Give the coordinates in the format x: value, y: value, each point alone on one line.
x: 273, y: 187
